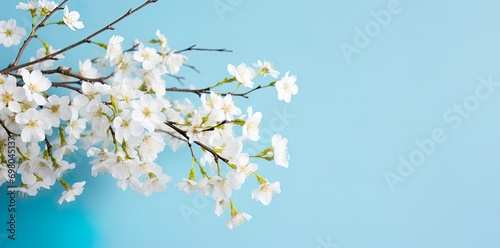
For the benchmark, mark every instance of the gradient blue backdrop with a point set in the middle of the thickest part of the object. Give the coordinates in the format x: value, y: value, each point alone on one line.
x: 351, y: 123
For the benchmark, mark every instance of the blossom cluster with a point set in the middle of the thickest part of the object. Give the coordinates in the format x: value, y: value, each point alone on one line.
x: 119, y: 109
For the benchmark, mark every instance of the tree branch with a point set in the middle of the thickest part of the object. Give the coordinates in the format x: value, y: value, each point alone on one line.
x: 194, y: 48
x: 67, y: 72
x: 184, y: 134
x: 67, y: 86
x: 208, y: 89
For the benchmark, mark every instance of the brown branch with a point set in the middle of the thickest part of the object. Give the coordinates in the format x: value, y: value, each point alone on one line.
x: 195, y: 91
x: 178, y: 78
x: 216, y: 126
x: 244, y: 94
x: 184, y: 134
x: 207, y: 91
x: 173, y: 135
x: 192, y: 68
x: 65, y: 85
x: 10, y: 133
x: 85, y: 40
x: 67, y: 72
x: 194, y: 48
x: 49, y: 147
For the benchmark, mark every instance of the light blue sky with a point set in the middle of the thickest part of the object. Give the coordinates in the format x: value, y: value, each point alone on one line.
x: 351, y: 122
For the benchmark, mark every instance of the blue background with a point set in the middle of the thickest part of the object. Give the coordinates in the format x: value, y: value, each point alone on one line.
x: 352, y: 120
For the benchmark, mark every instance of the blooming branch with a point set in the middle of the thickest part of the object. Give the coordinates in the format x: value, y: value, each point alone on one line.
x: 122, y: 112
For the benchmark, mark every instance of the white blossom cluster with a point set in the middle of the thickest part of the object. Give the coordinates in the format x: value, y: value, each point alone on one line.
x: 118, y: 108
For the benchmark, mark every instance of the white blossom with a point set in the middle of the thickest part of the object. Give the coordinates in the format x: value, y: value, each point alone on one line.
x: 121, y: 109
x: 33, y: 126
x: 243, y: 74
x: 34, y: 84
x: 155, y: 183
x: 286, y: 87
x: 71, y: 19
x: 251, y: 127
x: 280, y: 150
x: 266, y: 68
x: 238, y: 220
x: 265, y: 192
x: 10, y: 33
x: 69, y: 194
x: 10, y: 94
x: 114, y: 49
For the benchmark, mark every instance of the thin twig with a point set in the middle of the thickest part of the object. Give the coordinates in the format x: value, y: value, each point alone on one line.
x: 184, y: 134
x: 207, y: 91
x: 194, y: 48
x: 192, y: 68
x: 178, y: 78
x: 67, y: 72
x: 65, y: 85
x: 10, y: 133
x: 216, y: 126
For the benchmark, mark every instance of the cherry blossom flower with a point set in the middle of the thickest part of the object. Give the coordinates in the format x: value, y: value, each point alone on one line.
x: 280, y: 151
x: 114, y: 49
x: 228, y: 107
x: 87, y: 70
x: 286, y: 87
x: 242, y: 73
x: 251, y: 127
x: 266, y: 68
x: 46, y: 7
x: 187, y: 186
x: 34, y: 84
x: 148, y: 56
x: 31, y: 6
x: 148, y: 111
x: 34, y: 125
x: 10, y: 33
x: 174, y: 62
x: 237, y: 219
x: 71, y: 19
x: 10, y: 94
x: 220, y: 206
x: 163, y: 41
x: 70, y: 193
x: 155, y: 183
x: 56, y: 109
x: 265, y: 192
x: 126, y: 127
x: 76, y: 125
